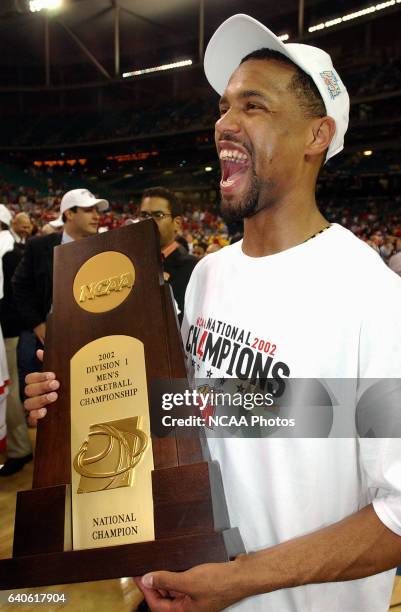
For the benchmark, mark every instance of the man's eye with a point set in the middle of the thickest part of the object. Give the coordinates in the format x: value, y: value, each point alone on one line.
x: 223, y: 110
x: 252, y: 106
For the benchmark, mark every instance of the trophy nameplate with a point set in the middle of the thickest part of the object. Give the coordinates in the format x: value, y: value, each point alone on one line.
x: 111, y: 445
x: 110, y: 498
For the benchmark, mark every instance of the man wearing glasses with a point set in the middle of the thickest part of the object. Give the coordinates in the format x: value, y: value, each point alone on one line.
x: 161, y: 205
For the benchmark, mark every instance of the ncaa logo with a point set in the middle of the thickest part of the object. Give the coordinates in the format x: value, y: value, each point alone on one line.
x: 332, y: 83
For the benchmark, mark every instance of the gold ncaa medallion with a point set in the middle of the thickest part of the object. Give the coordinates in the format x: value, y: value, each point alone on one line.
x: 104, y: 282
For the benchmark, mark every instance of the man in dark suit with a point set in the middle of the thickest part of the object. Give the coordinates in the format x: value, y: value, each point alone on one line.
x: 162, y: 206
x: 33, y: 286
x: 33, y: 279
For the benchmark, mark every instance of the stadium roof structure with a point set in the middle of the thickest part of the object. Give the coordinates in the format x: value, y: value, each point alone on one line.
x: 93, y: 42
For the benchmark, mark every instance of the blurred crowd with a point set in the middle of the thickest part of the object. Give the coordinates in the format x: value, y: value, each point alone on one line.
x: 376, y: 220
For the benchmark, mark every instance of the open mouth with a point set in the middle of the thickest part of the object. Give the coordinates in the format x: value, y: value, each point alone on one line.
x: 234, y: 166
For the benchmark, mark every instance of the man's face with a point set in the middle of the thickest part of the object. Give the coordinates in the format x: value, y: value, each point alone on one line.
x: 260, y: 137
x: 22, y: 226
x: 167, y: 226
x: 198, y: 251
x: 85, y: 221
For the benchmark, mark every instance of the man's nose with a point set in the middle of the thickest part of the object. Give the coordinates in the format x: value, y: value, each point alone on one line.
x: 229, y: 122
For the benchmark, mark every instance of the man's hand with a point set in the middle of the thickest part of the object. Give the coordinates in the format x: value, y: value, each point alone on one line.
x: 205, y: 588
x: 41, y: 391
x: 40, y: 332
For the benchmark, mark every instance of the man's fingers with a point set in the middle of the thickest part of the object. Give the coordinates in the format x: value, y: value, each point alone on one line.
x: 151, y: 596
x: 36, y: 377
x: 176, y: 594
x: 159, y: 599
x: 40, y: 354
x: 40, y: 401
x: 41, y: 388
x: 35, y: 415
x: 169, y: 581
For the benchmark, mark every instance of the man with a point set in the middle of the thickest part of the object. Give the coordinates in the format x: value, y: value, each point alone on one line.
x: 19, y: 447
x: 395, y: 260
x: 161, y: 205
x: 6, y: 243
x: 199, y: 250
x: 6, y: 238
x: 317, y: 516
x: 213, y: 248
x: 13, y: 230
x: 33, y: 290
x: 21, y: 227
x: 33, y: 280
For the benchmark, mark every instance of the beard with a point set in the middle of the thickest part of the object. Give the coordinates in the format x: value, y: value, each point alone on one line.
x: 232, y: 212
x: 258, y: 197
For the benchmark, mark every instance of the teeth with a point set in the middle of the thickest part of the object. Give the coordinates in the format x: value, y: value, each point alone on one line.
x: 233, y: 155
x: 227, y: 183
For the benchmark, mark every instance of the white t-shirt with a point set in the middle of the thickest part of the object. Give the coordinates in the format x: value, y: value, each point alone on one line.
x: 326, y: 309
x: 6, y: 244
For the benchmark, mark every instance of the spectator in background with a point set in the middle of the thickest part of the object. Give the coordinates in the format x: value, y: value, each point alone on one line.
x: 21, y: 227
x: 6, y: 238
x: 162, y: 206
x: 53, y: 226
x: 213, y: 248
x: 6, y: 243
x: 47, y: 229
x: 19, y: 447
x: 395, y: 263
x: 199, y: 250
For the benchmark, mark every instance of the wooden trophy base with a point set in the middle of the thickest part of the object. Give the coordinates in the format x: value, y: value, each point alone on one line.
x: 190, y: 530
x: 173, y: 554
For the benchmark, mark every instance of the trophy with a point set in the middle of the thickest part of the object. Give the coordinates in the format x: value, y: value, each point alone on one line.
x: 110, y: 498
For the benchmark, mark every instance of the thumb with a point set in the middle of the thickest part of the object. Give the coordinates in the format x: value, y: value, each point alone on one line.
x: 170, y: 581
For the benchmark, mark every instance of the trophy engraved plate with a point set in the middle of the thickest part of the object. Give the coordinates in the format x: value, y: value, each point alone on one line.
x: 111, y: 448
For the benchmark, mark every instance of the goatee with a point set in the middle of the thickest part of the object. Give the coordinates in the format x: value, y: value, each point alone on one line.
x: 234, y: 212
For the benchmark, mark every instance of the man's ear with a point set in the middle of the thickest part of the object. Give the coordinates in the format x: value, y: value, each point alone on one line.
x: 320, y: 136
x: 177, y: 223
x: 69, y: 214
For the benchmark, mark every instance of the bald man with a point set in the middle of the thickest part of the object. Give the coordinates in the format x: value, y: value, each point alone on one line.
x: 21, y: 227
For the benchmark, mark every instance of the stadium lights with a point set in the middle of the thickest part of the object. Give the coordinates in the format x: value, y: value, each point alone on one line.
x: 180, y: 64
x: 367, y: 153
x: 208, y: 169
x: 355, y: 15
x: 284, y: 37
x: 39, y: 5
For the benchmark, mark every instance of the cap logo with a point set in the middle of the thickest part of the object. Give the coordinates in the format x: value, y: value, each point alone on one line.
x: 332, y: 83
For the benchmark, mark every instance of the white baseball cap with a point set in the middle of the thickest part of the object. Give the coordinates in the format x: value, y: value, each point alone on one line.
x: 240, y: 35
x: 5, y: 215
x: 81, y: 198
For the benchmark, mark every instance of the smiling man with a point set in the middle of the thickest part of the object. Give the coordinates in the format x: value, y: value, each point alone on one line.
x: 320, y: 516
